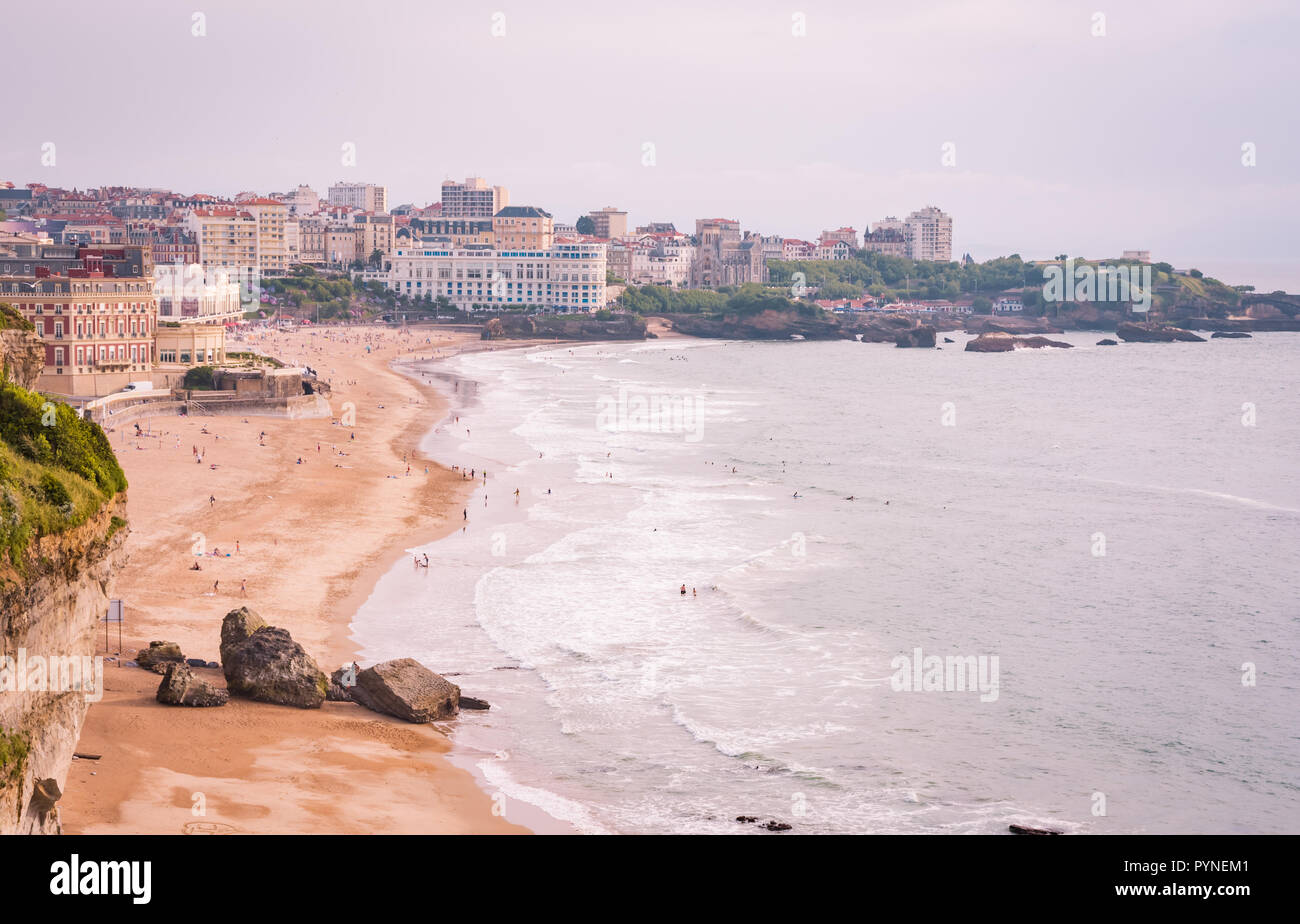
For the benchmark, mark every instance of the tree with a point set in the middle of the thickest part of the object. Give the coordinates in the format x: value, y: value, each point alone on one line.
x: 585, y: 225
x: 981, y: 305
x: 376, y: 258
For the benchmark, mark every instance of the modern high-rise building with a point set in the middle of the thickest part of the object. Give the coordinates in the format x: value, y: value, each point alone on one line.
x: 929, y: 235
x: 364, y: 196
x: 472, y: 199
x: 609, y: 222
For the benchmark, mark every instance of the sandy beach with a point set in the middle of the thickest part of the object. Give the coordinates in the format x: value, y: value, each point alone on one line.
x: 303, y: 521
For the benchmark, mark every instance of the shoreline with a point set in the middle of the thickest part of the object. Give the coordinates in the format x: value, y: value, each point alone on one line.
x: 291, y: 765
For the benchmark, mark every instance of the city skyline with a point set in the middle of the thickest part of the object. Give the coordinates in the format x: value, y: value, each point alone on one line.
x: 1054, y: 140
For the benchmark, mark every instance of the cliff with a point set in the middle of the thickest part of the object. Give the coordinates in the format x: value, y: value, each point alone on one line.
x: 22, y: 356
x: 51, y: 607
x: 62, y: 502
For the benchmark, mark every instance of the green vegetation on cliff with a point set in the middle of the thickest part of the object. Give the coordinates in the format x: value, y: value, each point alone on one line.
x: 744, y: 301
x: 56, y: 470
x: 897, y: 277
x: 13, y: 756
x: 12, y: 319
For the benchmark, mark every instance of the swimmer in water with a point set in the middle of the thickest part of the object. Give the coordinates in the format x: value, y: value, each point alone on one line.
x: 683, y: 590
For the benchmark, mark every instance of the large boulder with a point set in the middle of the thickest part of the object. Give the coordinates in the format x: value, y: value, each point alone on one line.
x: 1000, y: 342
x: 1154, y: 333
x: 159, y: 655
x: 180, y: 687
x: 1229, y: 335
x: 920, y: 336
x: 237, y: 628
x: 271, y: 667
x: 407, y: 689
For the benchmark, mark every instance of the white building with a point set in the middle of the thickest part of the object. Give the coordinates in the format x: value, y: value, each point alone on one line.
x: 570, y: 276
x: 190, y: 295
x: 929, y: 235
x: 364, y: 196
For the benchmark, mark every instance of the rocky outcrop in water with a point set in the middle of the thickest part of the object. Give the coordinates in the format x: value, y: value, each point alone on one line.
x: 983, y: 324
x: 999, y: 342
x: 407, y: 689
x: 1154, y: 333
x: 1229, y: 335
x: 922, y: 335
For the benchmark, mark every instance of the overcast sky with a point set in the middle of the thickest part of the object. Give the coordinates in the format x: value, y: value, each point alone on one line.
x: 1064, y: 141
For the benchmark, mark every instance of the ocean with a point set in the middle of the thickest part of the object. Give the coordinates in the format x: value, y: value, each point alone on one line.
x: 1100, y: 545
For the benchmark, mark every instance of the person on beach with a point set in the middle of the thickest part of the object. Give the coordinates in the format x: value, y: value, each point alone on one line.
x: 212, y: 498
x: 426, y: 559
x: 683, y: 590
x: 243, y: 588
x: 214, y: 587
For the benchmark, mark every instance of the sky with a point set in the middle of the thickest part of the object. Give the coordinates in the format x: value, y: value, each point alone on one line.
x: 1040, y: 126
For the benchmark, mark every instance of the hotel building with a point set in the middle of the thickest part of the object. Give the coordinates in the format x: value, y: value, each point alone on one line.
x: 93, y: 307
x: 568, y: 276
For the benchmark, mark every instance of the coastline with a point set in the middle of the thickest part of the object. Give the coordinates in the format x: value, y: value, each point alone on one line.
x: 254, y: 767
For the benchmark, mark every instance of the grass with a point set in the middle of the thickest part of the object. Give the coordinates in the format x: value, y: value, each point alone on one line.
x: 56, y: 470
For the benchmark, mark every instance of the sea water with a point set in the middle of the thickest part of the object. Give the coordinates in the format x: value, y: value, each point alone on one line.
x: 1112, y: 533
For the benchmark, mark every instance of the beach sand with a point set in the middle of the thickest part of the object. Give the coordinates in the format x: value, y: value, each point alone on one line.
x: 313, y: 539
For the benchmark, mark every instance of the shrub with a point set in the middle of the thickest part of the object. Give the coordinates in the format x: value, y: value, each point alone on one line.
x: 53, y: 491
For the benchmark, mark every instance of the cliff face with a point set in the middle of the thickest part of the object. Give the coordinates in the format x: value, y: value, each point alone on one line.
x: 22, y: 357
x: 50, y: 615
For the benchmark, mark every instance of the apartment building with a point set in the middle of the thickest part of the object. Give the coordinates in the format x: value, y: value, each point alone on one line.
x: 93, y: 307
x: 891, y: 242
x: 226, y: 237
x: 365, y: 197
x: 847, y: 235
x: 793, y: 249
x: 523, y: 227
x: 609, y: 223
x: 568, y: 276
x: 272, y: 240
x: 373, y: 233
x: 472, y: 199
x: 929, y: 235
